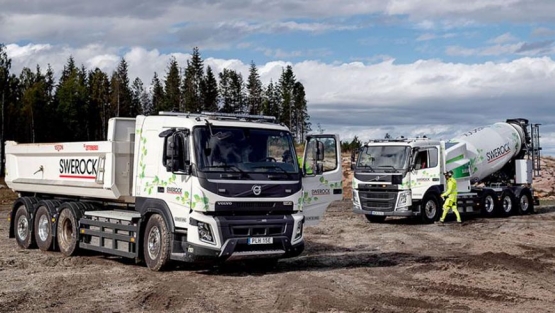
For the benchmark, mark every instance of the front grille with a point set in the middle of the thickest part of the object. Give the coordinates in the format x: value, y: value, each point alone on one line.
x: 371, y: 200
x: 267, y: 230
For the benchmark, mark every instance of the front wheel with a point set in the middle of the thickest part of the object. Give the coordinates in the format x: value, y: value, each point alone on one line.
x: 429, y: 209
x: 375, y: 218
x: 156, y: 247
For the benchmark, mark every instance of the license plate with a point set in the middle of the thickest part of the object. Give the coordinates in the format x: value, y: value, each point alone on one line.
x: 377, y: 213
x: 261, y: 240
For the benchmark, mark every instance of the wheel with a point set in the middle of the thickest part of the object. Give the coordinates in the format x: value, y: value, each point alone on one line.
x: 23, y: 228
x: 43, y: 227
x: 156, y: 243
x: 430, y: 209
x: 68, y: 232
x: 525, y: 203
x: 375, y: 218
x: 488, y: 203
x: 507, y: 202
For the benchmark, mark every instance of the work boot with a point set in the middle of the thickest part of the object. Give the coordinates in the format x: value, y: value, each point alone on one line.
x: 440, y: 222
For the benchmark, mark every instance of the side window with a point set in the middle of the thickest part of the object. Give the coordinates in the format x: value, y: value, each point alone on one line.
x: 421, y: 161
x: 433, y: 157
x: 321, y: 153
x: 426, y: 159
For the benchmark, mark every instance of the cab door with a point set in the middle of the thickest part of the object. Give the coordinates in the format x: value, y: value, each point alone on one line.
x: 322, y: 175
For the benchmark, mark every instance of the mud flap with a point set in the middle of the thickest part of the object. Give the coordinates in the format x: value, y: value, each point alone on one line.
x: 322, y: 176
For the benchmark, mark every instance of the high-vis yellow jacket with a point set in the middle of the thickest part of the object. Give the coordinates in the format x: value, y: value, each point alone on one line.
x: 451, y: 191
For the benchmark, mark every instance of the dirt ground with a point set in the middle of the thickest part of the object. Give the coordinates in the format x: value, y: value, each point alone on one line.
x: 349, y: 265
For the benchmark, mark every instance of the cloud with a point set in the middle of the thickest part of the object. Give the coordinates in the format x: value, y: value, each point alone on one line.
x: 543, y: 32
x: 426, y: 97
x: 506, y: 37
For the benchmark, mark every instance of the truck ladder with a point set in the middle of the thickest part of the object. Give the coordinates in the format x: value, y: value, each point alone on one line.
x: 536, y: 161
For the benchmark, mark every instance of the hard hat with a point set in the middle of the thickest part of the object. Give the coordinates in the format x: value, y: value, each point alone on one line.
x: 448, y: 173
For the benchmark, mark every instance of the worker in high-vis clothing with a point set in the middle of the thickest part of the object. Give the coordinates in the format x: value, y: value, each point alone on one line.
x: 308, y: 169
x: 451, y: 194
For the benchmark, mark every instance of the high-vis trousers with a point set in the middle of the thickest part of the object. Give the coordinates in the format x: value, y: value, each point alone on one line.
x: 450, y: 204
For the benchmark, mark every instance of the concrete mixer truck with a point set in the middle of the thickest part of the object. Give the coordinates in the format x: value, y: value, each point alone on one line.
x: 493, y: 166
x: 175, y: 186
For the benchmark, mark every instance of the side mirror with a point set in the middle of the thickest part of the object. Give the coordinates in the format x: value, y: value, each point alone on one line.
x: 319, y: 152
x: 173, y: 153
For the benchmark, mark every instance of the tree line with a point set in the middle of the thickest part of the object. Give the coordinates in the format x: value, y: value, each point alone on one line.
x: 77, y: 107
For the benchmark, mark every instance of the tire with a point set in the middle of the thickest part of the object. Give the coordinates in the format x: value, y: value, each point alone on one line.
x: 67, y: 232
x: 507, y: 203
x: 430, y: 209
x: 525, y: 203
x: 375, y: 218
x: 23, y: 228
x: 156, y: 247
x: 42, y: 226
x: 488, y: 203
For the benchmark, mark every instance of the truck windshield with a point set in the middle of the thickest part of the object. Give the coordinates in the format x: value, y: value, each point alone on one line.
x: 383, y: 158
x: 245, y: 150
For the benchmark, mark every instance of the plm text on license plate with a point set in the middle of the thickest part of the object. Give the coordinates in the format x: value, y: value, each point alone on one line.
x: 377, y: 213
x: 261, y: 240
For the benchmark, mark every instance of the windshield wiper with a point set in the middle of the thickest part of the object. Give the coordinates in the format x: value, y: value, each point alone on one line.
x: 390, y: 166
x: 224, y: 166
x: 367, y: 166
x: 274, y: 167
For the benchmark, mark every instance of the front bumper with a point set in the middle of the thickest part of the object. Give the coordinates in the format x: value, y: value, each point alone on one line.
x: 386, y: 213
x: 234, y: 233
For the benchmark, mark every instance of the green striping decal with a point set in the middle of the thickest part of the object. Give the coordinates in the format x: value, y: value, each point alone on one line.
x: 461, y: 171
x: 459, y: 157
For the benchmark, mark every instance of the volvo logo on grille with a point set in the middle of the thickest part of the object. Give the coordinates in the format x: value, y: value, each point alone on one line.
x: 256, y: 190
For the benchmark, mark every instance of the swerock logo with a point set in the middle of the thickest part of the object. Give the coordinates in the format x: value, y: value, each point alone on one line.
x: 320, y: 192
x: 498, y: 152
x: 174, y: 190
x: 78, y: 168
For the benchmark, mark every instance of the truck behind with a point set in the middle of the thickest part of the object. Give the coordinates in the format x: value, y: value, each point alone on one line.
x: 493, y: 165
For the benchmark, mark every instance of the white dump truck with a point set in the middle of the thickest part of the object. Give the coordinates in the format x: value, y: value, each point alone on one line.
x: 493, y: 166
x: 174, y: 186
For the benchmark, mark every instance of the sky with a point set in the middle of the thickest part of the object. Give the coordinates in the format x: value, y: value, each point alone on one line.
x: 369, y: 67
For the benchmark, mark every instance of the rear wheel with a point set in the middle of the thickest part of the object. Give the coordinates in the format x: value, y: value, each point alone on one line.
x: 43, y: 227
x: 525, y: 202
x: 23, y: 228
x: 375, y: 218
x: 429, y: 209
x: 156, y: 247
x: 488, y: 203
x: 67, y: 232
x: 507, y: 202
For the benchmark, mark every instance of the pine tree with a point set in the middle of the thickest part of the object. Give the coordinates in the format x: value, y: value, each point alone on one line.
x: 301, y: 118
x: 99, y: 105
x: 232, y: 92
x: 172, y: 100
x: 137, y: 91
x: 209, y: 91
x: 286, y: 86
x: 158, y: 96
x: 191, y: 88
x: 255, y: 90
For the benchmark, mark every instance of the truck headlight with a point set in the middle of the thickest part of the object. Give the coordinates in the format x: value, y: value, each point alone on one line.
x: 205, y: 233
x: 298, y: 231
x: 404, y: 199
x: 356, y: 202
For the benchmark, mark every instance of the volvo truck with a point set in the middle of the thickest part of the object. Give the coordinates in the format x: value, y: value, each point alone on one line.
x: 174, y: 186
x: 493, y: 165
